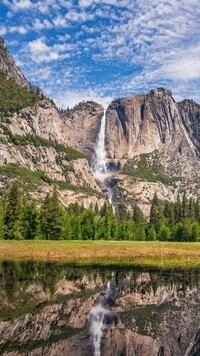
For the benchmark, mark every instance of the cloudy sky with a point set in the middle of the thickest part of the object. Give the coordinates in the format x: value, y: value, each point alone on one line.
x: 102, y: 49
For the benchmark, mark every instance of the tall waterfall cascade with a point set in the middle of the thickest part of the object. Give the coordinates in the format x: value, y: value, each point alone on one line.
x: 99, y: 165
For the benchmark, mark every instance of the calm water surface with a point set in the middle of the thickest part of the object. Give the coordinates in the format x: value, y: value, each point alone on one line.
x: 52, y: 309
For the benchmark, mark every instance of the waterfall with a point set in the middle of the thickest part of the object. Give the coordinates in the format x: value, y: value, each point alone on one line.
x: 110, y: 198
x: 99, y: 168
x: 99, y: 165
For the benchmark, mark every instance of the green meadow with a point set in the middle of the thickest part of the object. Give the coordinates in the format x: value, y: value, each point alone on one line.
x: 105, y: 253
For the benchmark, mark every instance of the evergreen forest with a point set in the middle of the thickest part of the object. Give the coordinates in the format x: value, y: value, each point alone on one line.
x: 21, y: 218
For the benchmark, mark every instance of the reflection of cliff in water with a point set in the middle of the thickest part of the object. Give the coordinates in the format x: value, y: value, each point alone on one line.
x: 51, y: 309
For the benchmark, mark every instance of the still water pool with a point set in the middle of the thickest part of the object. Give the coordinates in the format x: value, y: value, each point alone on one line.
x: 53, y: 309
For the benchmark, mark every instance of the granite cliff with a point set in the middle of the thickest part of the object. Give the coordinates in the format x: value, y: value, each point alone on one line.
x: 155, y: 143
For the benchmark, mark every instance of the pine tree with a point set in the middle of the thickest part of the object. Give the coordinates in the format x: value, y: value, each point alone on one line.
x: 164, y: 233
x: 195, y: 232
x: 182, y: 231
x: 151, y: 234
x: 2, y: 227
x: 137, y: 215
x: 140, y: 233
x: 177, y: 210
x: 184, y: 206
x: 191, y: 210
x: 197, y: 211
x: 12, y: 215
x: 169, y: 212
x: 156, y: 214
x: 76, y: 231
x: 29, y: 221
x: 87, y: 225
x: 52, y: 218
x: 68, y: 230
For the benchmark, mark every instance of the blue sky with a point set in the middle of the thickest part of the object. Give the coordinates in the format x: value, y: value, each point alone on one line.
x: 103, y: 49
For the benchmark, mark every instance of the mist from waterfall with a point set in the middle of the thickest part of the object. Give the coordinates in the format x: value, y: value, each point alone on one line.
x: 99, y: 165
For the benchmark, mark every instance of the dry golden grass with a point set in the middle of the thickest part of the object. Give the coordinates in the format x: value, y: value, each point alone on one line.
x: 105, y: 253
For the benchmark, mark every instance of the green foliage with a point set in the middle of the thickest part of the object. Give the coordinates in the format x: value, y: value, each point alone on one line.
x: 151, y: 234
x: 52, y: 218
x: 145, y: 168
x: 156, y: 213
x: 12, y: 217
x: 20, y: 219
x: 29, y: 221
x: 25, y: 175
x: 164, y: 233
x: 1, y: 220
x: 13, y: 97
x: 137, y: 215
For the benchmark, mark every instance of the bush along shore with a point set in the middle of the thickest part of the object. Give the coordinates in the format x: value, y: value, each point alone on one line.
x: 21, y: 219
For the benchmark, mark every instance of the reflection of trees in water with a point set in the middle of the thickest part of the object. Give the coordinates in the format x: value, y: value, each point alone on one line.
x: 18, y: 275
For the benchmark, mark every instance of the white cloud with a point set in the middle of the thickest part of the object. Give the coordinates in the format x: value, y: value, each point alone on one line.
x: 3, y: 31
x: 20, y: 29
x: 22, y: 4
x: 18, y: 5
x: 38, y: 46
x: 70, y: 98
x: 60, y: 22
x: 40, y: 25
x: 184, y: 69
x: 133, y: 44
x: 41, y: 52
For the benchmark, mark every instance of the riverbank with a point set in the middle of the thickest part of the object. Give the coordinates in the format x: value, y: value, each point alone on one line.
x: 105, y: 253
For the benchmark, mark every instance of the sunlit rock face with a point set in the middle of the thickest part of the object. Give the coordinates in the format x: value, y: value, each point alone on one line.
x: 57, y: 310
x: 82, y: 124
x: 143, y: 123
x: 151, y: 135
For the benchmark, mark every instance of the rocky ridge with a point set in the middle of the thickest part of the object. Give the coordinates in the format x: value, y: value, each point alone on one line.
x: 48, y: 153
x: 155, y: 142
x: 7, y: 66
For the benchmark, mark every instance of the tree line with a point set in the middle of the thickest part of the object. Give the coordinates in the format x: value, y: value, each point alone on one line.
x: 21, y: 218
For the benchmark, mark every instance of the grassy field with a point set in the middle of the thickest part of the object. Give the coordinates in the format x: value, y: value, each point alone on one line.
x: 105, y: 253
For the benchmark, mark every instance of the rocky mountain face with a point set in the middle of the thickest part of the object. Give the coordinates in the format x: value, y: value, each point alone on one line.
x: 7, y: 66
x: 190, y: 115
x: 83, y: 124
x: 155, y: 141
x: 40, y: 140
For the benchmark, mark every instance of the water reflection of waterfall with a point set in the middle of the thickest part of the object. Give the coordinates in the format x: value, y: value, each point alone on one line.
x: 100, y: 315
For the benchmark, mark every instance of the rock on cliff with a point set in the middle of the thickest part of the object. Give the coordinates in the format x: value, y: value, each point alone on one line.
x: 155, y: 141
x: 39, y: 139
x: 83, y: 125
